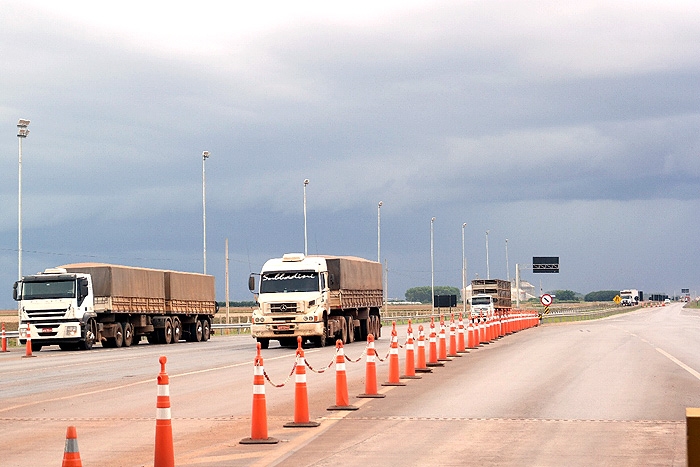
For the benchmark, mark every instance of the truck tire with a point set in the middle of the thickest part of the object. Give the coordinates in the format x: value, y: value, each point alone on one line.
x: 264, y: 343
x: 118, y: 335
x: 36, y: 347
x: 177, y: 330
x: 165, y: 334
x: 364, y: 326
x: 206, y: 330
x: 195, y: 332
x: 343, y: 329
x: 351, y: 329
x: 90, y: 335
x: 128, y: 334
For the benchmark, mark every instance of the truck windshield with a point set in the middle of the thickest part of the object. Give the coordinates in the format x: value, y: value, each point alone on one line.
x: 481, y: 300
x: 48, y: 289
x: 293, y: 281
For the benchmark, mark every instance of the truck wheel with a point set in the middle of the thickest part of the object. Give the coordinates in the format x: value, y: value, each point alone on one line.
x: 195, y: 332
x: 90, y: 336
x: 343, y: 330
x: 364, y: 323
x: 128, y: 334
x: 118, y: 335
x: 264, y: 343
x: 206, y: 330
x: 351, y: 329
x: 165, y: 334
x: 177, y: 330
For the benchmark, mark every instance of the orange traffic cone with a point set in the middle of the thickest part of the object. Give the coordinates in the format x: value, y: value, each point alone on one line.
x: 341, y: 382
x: 471, y: 335
x: 371, y: 371
x: 453, y: 338
x: 420, y: 365
x: 301, y: 397
x: 28, y: 349
x: 71, y: 453
x: 432, y: 350
x: 442, y: 343
x: 394, y: 379
x: 461, y: 342
x: 4, y: 339
x: 164, y: 455
x: 258, y: 427
x: 410, y: 355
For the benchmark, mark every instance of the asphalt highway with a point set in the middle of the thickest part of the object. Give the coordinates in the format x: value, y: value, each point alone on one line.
x: 604, y: 392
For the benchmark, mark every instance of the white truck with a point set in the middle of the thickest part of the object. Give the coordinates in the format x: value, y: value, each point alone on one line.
x: 319, y: 298
x: 630, y: 297
x: 490, y: 297
x: 79, y: 305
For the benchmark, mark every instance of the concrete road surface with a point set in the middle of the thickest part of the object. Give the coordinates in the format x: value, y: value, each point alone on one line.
x: 607, y: 392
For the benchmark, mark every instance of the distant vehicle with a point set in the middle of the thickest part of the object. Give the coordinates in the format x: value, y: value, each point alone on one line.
x: 629, y: 297
x: 79, y: 305
x: 319, y: 298
x: 668, y: 300
x: 489, y: 297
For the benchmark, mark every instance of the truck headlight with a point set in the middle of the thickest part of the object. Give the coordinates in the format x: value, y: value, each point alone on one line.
x: 23, y: 333
x: 71, y: 331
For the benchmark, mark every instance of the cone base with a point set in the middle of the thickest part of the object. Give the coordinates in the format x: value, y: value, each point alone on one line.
x: 371, y: 396
x: 411, y: 377
x: 301, y: 424
x: 424, y: 370
x: 444, y: 359
x: 453, y: 355
x: 259, y: 441
x: 434, y: 364
x: 28, y: 356
x: 342, y: 407
x: 389, y: 383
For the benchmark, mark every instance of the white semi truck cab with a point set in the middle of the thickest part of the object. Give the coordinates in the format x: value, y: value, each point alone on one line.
x: 57, y: 305
x: 316, y: 298
x: 630, y: 297
x: 482, y: 306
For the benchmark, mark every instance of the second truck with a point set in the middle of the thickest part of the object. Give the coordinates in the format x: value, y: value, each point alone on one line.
x: 319, y: 298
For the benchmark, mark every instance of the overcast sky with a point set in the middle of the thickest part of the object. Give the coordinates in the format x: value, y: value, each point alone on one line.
x: 571, y: 129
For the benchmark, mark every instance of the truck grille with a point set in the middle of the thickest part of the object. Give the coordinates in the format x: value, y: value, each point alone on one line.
x: 38, y: 314
x: 283, y: 307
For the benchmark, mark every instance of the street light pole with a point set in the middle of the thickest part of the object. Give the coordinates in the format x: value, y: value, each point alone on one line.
x: 464, y: 273
x: 432, y: 269
x: 306, y: 249
x: 205, y: 156
x: 488, y: 273
x: 379, y: 235
x: 22, y: 133
x: 507, y: 266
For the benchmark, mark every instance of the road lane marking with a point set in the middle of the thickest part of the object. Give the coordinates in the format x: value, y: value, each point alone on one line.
x: 679, y: 363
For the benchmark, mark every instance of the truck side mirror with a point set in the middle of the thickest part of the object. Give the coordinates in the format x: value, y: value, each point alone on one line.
x: 251, y: 283
x: 14, y: 291
x: 495, y: 299
x: 331, y: 279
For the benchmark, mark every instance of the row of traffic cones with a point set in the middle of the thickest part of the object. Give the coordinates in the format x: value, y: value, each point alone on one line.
x: 459, y: 339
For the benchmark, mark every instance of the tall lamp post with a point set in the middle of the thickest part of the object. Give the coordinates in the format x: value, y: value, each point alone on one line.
x: 488, y: 273
x: 464, y: 273
x: 507, y: 265
x: 306, y: 249
x: 379, y: 230
x: 22, y: 133
x: 205, y: 156
x: 432, y: 269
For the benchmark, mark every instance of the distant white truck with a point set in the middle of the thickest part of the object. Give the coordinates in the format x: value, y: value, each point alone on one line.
x: 630, y: 297
x: 319, y: 298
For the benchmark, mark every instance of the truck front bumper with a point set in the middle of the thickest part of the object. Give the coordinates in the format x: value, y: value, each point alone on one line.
x: 282, y: 330
x: 50, y: 333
